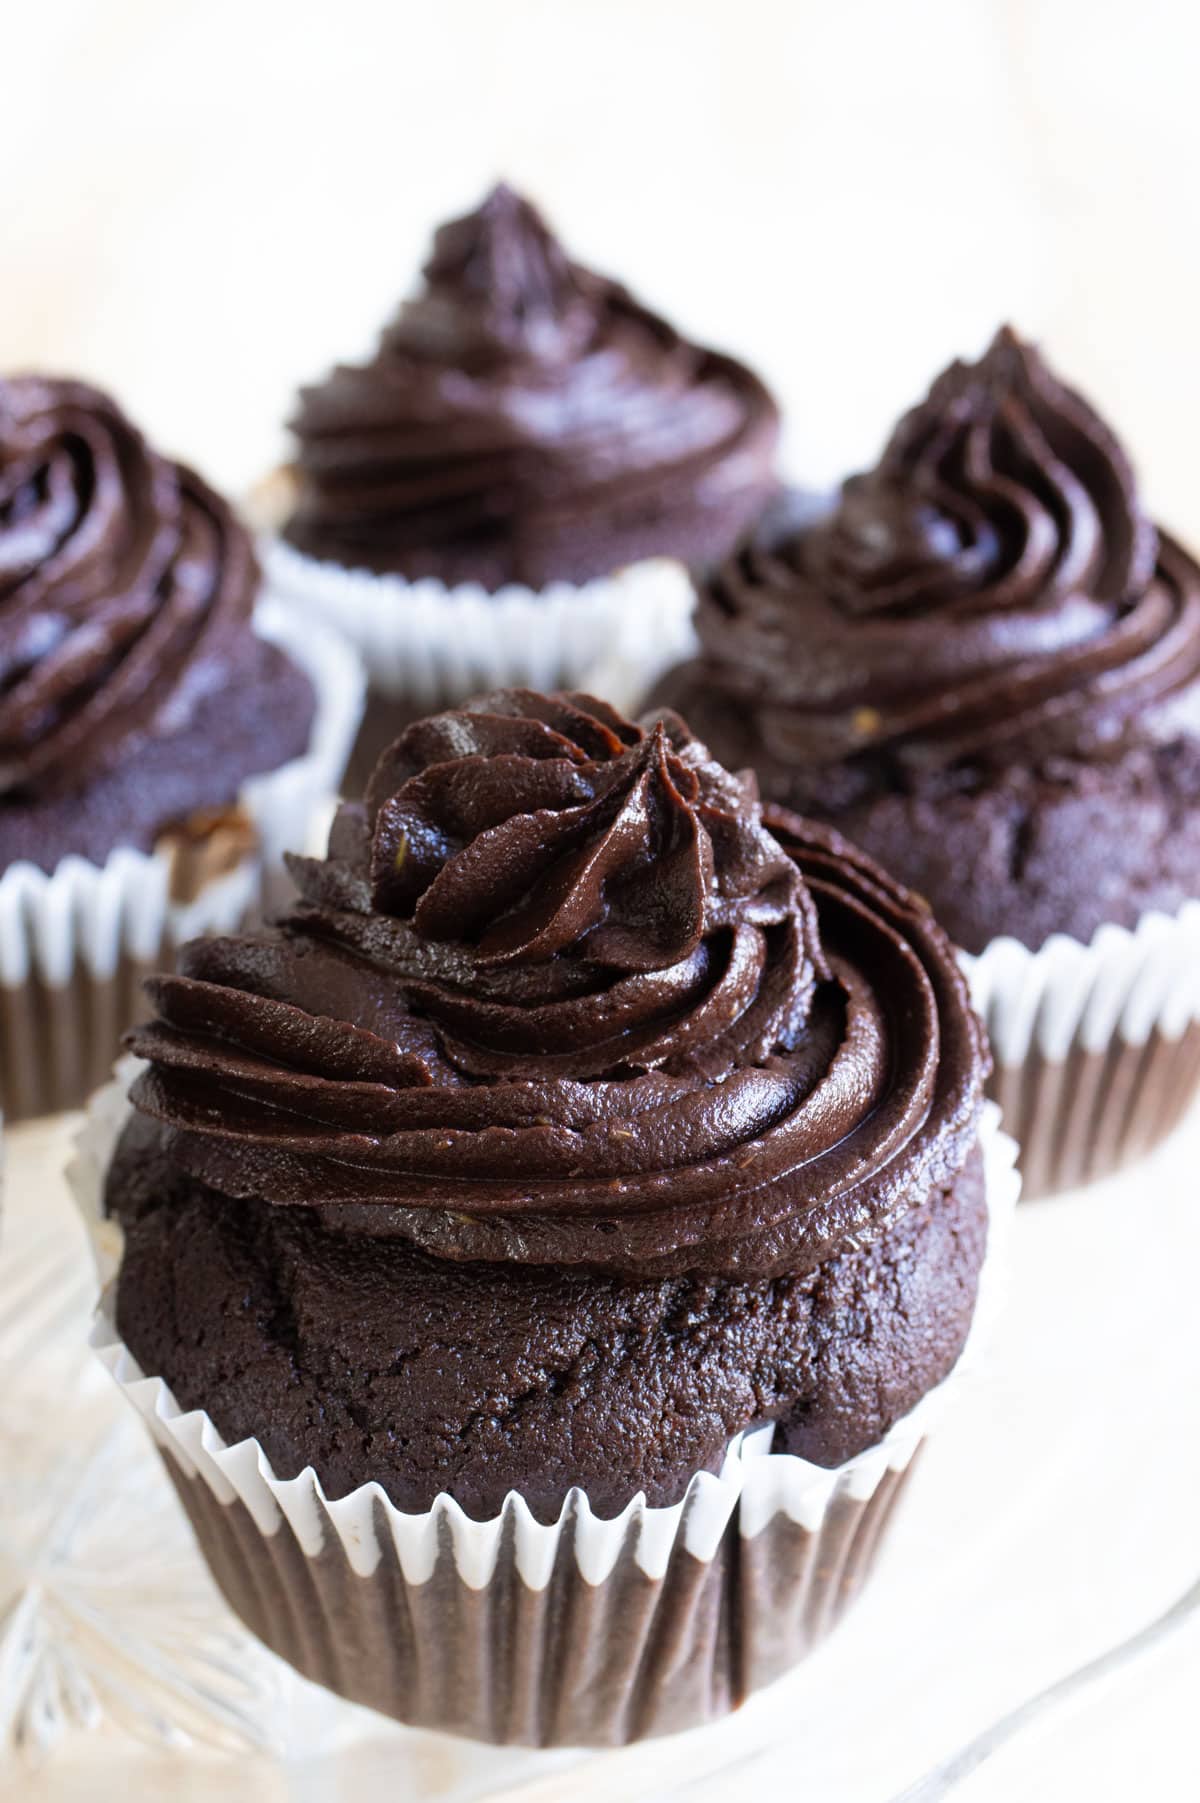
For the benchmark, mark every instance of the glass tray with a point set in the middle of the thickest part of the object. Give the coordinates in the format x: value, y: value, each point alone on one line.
x: 1052, y: 1516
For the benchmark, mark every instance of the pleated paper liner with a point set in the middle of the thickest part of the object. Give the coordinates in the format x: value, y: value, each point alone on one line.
x: 426, y: 646
x: 565, y: 1663
x: 1097, y: 1047
x: 77, y: 943
x: 585, y: 1632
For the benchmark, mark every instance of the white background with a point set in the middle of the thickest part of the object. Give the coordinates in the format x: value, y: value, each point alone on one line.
x: 204, y: 202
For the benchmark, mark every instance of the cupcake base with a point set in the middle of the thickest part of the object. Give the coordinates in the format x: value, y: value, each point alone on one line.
x: 1096, y: 1047
x: 75, y: 950
x: 1084, y: 1117
x: 76, y: 943
x: 581, y: 1631
x: 561, y: 1665
x: 57, y: 1040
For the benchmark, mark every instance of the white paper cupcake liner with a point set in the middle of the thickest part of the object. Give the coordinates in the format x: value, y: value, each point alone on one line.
x: 1097, y: 1047
x: 426, y: 646
x: 423, y: 642
x: 583, y: 1631
x: 77, y: 943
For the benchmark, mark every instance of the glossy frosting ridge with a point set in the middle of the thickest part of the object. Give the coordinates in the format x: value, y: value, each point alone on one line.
x: 125, y: 586
x: 992, y: 588
x: 526, y: 420
x: 558, y: 995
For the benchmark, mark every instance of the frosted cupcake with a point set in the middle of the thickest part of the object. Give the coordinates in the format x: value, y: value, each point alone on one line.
x: 156, y: 744
x: 508, y: 490
x: 984, y: 666
x: 545, y: 1249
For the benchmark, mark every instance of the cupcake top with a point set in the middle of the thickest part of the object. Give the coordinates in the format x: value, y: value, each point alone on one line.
x: 526, y: 421
x: 991, y: 593
x: 557, y: 996
x: 126, y: 590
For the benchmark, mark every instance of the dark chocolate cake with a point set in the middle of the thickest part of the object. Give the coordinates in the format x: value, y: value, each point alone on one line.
x: 134, y: 693
x: 983, y: 665
x: 577, y: 1117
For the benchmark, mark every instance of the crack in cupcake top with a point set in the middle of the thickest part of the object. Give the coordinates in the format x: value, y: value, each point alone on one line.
x: 557, y: 995
x: 125, y: 584
x: 525, y: 420
x: 992, y: 587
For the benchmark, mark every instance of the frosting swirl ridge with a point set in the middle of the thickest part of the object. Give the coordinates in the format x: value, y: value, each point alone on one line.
x: 992, y: 583
x: 526, y: 420
x: 124, y: 583
x: 558, y: 995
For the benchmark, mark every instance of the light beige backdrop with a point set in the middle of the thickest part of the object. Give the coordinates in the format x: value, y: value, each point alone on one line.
x: 202, y: 202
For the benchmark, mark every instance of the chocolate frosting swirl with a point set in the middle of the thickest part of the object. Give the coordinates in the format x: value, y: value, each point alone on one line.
x: 558, y: 996
x: 126, y: 586
x: 991, y: 589
x: 526, y: 420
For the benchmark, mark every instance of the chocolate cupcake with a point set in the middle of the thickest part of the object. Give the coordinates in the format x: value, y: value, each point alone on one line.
x: 511, y: 486
x: 546, y: 1242
x: 984, y: 666
x: 155, y: 741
